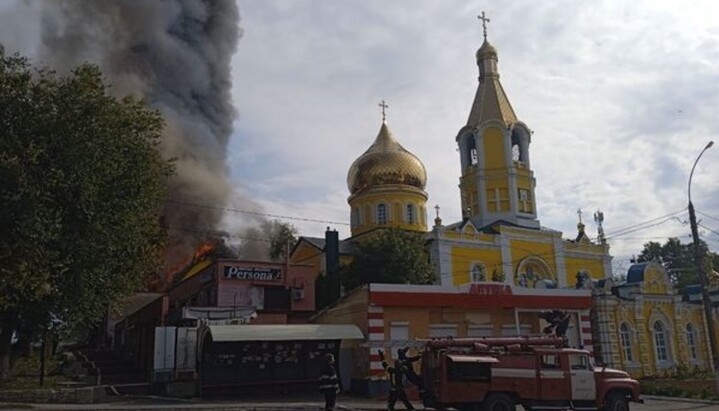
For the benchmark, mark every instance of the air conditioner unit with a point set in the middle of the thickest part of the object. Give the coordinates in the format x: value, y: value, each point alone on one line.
x: 298, y: 294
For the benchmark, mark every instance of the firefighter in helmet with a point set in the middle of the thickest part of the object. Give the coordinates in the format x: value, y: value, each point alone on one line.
x: 396, y: 372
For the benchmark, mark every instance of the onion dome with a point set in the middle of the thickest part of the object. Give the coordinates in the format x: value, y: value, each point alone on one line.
x: 386, y: 162
x: 486, y: 51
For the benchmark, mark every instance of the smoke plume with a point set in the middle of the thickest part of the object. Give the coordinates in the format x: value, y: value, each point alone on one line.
x: 176, y: 55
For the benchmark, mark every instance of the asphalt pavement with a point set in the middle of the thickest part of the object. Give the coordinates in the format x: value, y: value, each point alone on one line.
x: 305, y: 404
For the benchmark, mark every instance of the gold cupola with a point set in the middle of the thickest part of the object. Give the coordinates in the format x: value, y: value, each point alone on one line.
x: 386, y: 185
x: 386, y: 162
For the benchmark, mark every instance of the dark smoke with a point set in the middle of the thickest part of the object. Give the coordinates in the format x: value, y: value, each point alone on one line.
x: 176, y: 55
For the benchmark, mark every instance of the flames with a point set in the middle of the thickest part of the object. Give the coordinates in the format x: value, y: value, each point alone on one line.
x: 201, y: 253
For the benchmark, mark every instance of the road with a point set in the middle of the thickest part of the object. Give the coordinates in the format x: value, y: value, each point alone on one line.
x: 661, y: 405
x: 349, y: 404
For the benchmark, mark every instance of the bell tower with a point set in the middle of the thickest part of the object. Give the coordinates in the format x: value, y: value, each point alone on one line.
x: 496, y: 182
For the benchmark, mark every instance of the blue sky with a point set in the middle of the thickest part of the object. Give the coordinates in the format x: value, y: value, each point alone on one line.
x: 621, y: 97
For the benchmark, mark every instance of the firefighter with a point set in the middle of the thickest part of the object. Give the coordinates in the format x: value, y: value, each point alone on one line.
x: 412, y: 375
x: 329, y: 384
x: 396, y: 373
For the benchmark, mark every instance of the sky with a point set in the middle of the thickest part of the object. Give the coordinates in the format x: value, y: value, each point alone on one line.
x: 621, y: 97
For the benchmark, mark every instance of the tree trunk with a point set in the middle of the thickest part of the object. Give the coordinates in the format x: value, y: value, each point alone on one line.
x: 6, y: 331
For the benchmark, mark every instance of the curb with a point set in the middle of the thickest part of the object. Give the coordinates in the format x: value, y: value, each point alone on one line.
x: 680, y: 399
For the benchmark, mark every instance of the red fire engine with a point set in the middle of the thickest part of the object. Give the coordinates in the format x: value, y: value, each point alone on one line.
x: 496, y: 374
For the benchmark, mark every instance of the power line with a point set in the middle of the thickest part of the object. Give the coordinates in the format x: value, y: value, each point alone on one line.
x: 620, y: 231
x: 645, y: 227
x: 708, y: 216
x: 257, y: 213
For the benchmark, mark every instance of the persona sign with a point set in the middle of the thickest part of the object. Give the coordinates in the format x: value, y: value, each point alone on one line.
x: 252, y: 273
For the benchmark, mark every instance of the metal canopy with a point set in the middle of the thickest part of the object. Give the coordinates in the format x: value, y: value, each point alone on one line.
x: 472, y: 358
x: 288, y: 332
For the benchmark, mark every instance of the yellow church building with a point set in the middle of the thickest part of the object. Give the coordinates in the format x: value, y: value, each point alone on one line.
x: 497, y: 268
x: 644, y: 326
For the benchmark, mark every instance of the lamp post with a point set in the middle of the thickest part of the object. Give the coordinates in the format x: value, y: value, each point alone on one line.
x: 703, y: 281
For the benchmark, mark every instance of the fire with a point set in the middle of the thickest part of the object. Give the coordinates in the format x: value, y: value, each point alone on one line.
x: 200, y: 254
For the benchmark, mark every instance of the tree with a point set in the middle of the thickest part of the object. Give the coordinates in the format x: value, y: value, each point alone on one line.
x: 677, y: 259
x: 282, y: 235
x: 389, y: 256
x: 81, y: 191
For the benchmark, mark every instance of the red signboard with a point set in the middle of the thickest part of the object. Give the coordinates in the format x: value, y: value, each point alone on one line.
x: 490, y: 289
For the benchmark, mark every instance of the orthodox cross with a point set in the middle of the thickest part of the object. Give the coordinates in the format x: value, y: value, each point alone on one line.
x: 485, y: 20
x: 436, y: 208
x: 579, y: 213
x: 384, y: 106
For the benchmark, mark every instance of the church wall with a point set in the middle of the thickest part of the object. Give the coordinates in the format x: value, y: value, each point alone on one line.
x: 493, y: 149
x: 522, y: 249
x: 464, y: 258
x: 595, y: 267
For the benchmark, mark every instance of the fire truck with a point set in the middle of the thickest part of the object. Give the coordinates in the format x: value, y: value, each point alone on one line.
x: 496, y: 374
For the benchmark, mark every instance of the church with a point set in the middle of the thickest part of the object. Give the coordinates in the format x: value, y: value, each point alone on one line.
x: 496, y: 270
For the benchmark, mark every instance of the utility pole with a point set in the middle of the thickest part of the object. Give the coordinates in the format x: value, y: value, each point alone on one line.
x: 703, y: 281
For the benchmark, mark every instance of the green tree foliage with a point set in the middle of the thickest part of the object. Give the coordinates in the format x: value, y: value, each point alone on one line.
x: 678, y: 259
x: 81, y: 190
x: 389, y: 256
x: 283, y: 236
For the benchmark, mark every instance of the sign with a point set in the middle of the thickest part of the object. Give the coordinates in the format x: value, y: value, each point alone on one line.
x: 253, y: 273
x: 490, y: 289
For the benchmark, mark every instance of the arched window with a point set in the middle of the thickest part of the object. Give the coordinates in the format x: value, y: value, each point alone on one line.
x: 382, y: 214
x: 534, y: 272
x: 660, y: 342
x: 624, y: 337
x: 411, y: 215
x: 692, y: 341
x: 478, y: 273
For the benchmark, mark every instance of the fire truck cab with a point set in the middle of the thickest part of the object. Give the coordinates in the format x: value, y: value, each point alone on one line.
x: 496, y: 374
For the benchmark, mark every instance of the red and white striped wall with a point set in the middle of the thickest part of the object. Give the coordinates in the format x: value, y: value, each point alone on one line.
x: 585, y: 331
x: 375, y: 327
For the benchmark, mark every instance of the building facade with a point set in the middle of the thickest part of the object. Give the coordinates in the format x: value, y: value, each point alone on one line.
x: 647, y: 328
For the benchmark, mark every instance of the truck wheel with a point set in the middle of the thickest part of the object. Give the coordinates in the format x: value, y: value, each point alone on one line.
x: 616, y: 402
x: 498, y: 402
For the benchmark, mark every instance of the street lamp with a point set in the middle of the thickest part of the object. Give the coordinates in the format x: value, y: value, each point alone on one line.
x: 706, y: 302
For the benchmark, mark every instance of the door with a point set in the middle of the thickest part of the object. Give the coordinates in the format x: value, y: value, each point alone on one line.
x: 553, y: 382
x: 582, y: 376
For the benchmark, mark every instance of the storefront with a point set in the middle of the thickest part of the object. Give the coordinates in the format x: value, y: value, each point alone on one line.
x: 251, y: 357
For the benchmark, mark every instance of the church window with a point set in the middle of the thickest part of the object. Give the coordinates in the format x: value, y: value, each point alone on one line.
x: 382, y: 214
x: 474, y: 156
x: 411, y: 215
x: 624, y: 337
x: 660, y: 342
x: 533, y: 272
x: 478, y: 273
x: 355, y: 217
x: 692, y: 342
x: 525, y: 201
x: 515, y: 152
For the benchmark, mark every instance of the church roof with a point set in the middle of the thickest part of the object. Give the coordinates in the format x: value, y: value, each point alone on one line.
x: 490, y: 102
x: 386, y: 162
x: 635, y: 274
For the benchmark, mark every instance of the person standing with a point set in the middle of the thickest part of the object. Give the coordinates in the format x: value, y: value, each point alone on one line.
x: 329, y: 383
x: 396, y: 373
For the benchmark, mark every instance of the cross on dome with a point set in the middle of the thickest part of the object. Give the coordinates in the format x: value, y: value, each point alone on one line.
x: 485, y: 20
x: 384, y: 106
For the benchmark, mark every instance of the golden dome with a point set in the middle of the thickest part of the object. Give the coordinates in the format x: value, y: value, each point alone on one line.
x: 386, y: 162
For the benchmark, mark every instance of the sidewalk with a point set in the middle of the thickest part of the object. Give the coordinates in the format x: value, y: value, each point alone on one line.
x: 313, y: 403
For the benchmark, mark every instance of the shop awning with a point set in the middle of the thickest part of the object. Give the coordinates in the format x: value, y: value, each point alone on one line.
x: 473, y: 358
x: 288, y: 332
